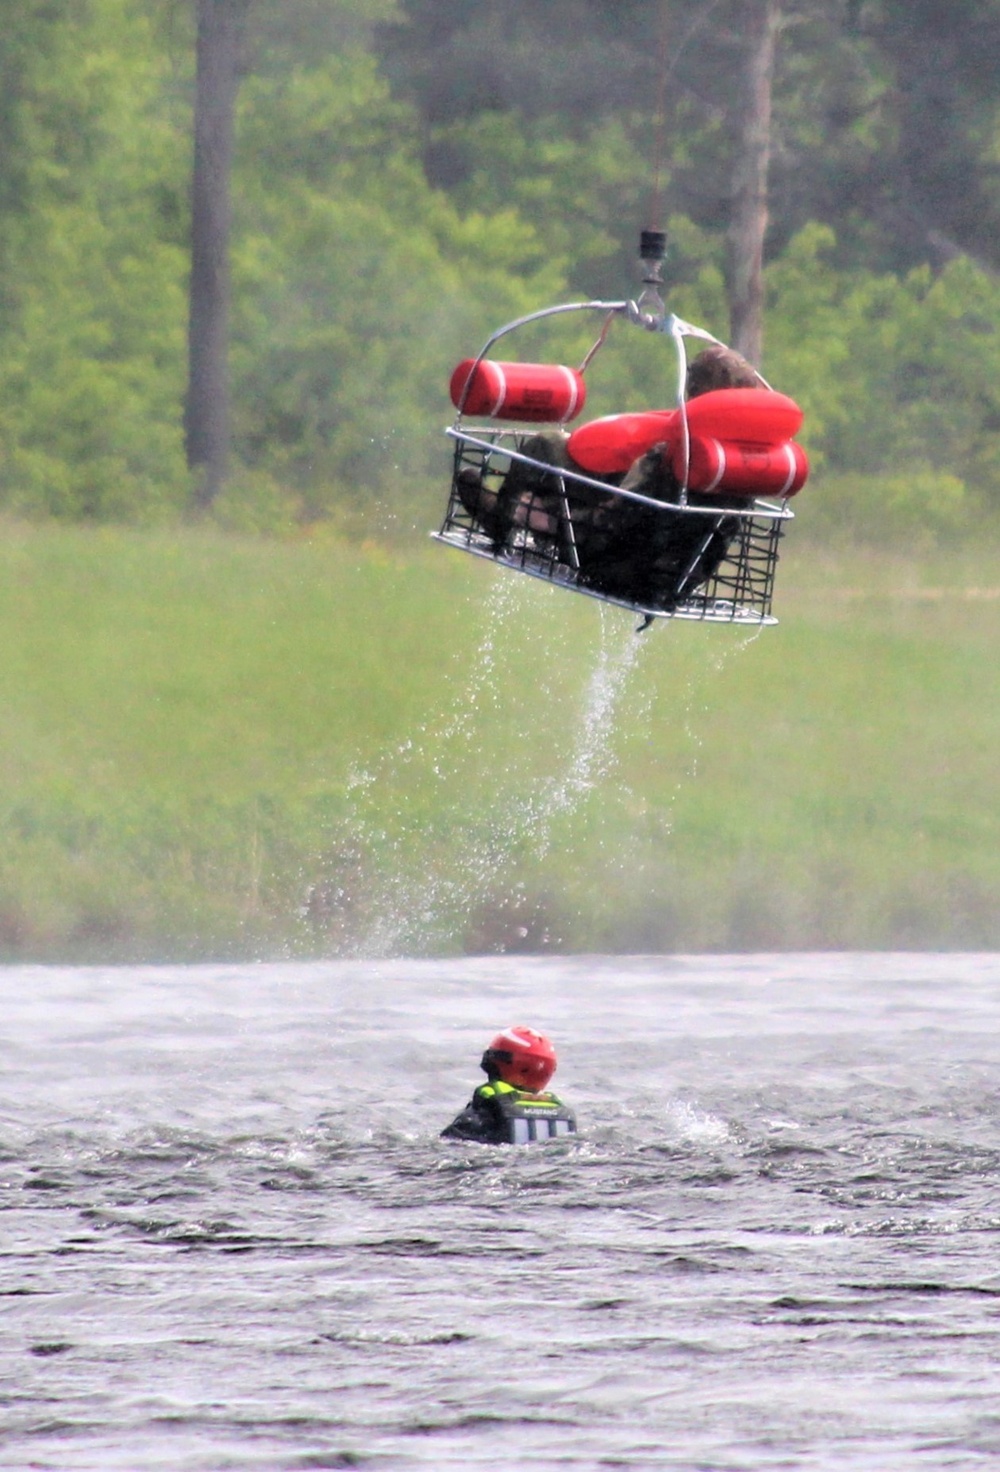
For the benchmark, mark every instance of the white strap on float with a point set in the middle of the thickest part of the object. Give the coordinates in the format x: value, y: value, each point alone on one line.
x: 573, y: 385
x: 501, y: 387
x: 720, y: 451
x: 792, y: 468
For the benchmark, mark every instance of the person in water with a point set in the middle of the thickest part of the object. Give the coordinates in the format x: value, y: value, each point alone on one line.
x: 513, y: 1106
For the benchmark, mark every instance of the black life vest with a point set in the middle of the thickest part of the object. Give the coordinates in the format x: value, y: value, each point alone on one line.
x: 525, y: 1117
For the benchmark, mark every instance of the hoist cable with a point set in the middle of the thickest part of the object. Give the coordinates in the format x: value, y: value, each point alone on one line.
x: 655, y: 212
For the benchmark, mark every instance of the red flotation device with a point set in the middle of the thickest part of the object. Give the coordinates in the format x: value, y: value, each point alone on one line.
x: 760, y: 416
x: 535, y: 392
x: 740, y: 442
x: 610, y: 445
x: 741, y: 469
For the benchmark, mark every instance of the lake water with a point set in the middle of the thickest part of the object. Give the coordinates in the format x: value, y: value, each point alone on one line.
x: 231, y: 1237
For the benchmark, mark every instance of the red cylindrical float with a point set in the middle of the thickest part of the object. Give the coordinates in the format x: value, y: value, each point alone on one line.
x: 742, y: 469
x: 757, y: 416
x: 610, y: 445
x: 534, y: 392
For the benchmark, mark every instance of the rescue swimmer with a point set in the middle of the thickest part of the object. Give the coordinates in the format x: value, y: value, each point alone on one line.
x: 514, y: 1107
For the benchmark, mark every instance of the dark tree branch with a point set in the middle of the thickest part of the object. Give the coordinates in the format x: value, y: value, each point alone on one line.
x: 206, y: 414
x: 748, y: 224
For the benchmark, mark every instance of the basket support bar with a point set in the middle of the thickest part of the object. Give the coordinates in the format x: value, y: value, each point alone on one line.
x: 757, y: 508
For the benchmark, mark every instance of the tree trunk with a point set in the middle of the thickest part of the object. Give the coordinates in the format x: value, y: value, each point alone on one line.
x: 206, y: 413
x: 748, y: 224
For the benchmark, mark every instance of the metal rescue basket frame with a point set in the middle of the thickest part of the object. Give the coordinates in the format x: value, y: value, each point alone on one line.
x: 715, y: 558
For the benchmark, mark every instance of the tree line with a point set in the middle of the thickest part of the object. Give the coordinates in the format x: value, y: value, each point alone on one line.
x: 405, y: 175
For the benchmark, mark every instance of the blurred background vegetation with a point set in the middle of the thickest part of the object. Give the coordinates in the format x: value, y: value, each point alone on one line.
x: 410, y: 175
x: 260, y: 733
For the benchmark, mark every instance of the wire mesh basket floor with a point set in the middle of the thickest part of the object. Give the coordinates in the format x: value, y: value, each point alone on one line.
x: 710, y: 560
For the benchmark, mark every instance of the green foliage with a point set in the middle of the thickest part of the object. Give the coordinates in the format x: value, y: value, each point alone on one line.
x: 898, y: 376
x: 358, y: 282
x: 91, y: 363
x: 356, y: 286
x: 885, y: 113
x: 573, y: 184
x: 807, y: 343
x: 919, y: 508
x: 927, y: 371
x: 284, y: 32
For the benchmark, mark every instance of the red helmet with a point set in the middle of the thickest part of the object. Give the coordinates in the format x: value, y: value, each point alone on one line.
x: 520, y: 1057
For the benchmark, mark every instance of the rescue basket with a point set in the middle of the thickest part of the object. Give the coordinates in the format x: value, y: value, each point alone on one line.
x: 647, y: 538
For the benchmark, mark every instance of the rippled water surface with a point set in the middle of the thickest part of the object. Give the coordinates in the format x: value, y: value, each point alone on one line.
x: 231, y: 1237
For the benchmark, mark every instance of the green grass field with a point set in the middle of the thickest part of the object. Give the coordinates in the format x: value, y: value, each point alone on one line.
x: 222, y: 747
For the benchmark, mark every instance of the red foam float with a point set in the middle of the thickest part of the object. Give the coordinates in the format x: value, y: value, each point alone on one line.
x: 758, y: 416
x: 741, y: 469
x: 537, y: 393
x: 610, y: 445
